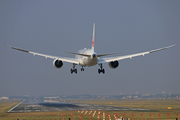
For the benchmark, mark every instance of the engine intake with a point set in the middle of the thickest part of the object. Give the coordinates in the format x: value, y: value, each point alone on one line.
x: 113, y: 64
x: 57, y: 63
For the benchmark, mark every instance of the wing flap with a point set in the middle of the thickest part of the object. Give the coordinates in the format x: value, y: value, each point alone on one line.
x: 109, y: 59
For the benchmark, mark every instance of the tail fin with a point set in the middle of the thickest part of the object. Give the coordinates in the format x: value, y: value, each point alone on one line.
x: 93, y: 37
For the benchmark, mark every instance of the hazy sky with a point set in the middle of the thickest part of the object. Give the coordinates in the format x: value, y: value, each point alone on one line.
x: 55, y: 26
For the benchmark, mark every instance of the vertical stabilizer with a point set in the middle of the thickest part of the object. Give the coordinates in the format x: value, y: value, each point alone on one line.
x: 93, y: 37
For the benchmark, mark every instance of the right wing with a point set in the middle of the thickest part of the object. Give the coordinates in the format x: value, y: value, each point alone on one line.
x: 109, y: 59
x: 70, y: 60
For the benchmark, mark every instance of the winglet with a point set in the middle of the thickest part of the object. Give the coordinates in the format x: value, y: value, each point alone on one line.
x: 17, y: 48
x: 93, y: 37
x: 161, y: 48
x: 6, y: 45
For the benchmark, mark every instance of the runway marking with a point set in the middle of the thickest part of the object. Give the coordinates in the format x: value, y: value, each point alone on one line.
x: 110, y: 117
x: 15, y: 106
x: 94, y: 113
x: 90, y: 111
x: 103, y: 116
x: 85, y: 112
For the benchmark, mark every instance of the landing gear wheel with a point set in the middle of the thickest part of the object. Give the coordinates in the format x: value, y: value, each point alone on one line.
x: 71, y: 71
x: 103, y: 71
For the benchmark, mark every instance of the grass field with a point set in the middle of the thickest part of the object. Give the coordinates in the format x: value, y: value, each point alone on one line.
x: 157, y: 106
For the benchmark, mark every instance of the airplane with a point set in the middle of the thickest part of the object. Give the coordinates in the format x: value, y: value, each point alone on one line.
x: 88, y: 57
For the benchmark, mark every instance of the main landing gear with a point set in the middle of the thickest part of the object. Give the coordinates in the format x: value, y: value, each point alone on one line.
x: 74, y: 69
x: 101, y: 70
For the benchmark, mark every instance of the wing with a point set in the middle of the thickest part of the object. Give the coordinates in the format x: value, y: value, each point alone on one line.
x: 109, y: 59
x: 70, y: 60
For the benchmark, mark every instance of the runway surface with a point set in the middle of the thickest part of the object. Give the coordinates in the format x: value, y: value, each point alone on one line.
x: 40, y: 106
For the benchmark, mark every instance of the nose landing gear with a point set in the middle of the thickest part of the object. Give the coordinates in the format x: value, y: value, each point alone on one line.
x: 101, y: 70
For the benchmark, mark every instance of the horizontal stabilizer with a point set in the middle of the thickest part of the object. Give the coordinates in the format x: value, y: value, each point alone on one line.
x: 79, y: 54
x: 90, y: 55
x: 107, y: 54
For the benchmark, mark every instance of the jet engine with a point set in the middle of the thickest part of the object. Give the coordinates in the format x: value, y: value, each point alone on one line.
x: 57, y: 63
x: 113, y: 64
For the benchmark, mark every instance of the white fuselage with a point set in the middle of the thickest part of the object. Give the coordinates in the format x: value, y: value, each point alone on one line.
x: 87, y: 61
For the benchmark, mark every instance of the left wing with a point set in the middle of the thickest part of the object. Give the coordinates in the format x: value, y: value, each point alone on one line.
x: 109, y: 59
x: 70, y: 60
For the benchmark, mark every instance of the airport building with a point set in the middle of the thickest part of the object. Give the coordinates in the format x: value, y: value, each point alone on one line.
x: 4, y: 98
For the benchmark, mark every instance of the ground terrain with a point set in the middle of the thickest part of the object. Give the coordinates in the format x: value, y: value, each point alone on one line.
x: 156, y: 106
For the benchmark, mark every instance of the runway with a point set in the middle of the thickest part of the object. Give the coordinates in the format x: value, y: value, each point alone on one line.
x: 41, y: 106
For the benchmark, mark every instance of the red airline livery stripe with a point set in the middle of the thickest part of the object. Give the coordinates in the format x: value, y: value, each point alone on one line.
x: 93, y: 42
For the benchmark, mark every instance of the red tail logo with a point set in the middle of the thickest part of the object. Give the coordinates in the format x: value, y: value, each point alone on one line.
x: 93, y: 42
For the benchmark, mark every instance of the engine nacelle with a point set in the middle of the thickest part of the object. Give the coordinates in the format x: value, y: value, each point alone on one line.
x: 113, y: 64
x: 57, y: 63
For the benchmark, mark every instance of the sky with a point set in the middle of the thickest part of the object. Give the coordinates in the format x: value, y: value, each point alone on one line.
x: 56, y: 26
